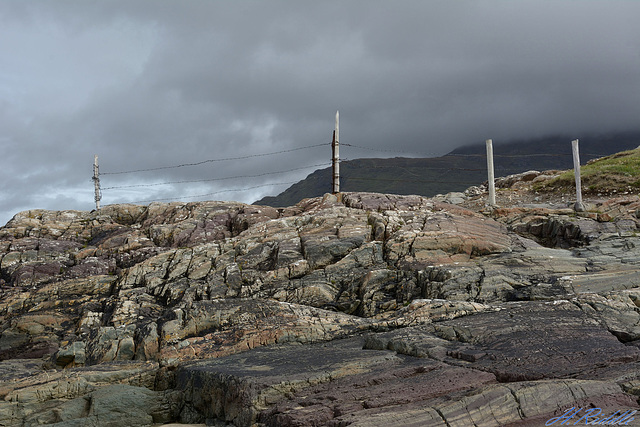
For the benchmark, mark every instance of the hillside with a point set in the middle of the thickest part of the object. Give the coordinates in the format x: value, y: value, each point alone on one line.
x: 616, y: 173
x: 456, y: 171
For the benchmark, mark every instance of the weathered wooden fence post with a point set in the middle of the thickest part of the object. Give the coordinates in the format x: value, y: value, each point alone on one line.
x: 335, y: 148
x: 491, y: 179
x: 579, y: 206
x: 96, y: 181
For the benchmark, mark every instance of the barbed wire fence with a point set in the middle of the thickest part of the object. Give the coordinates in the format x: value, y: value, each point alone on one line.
x: 446, y: 174
x: 99, y: 189
x: 489, y: 169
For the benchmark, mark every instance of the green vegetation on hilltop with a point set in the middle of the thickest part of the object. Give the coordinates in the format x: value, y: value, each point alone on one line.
x: 616, y: 173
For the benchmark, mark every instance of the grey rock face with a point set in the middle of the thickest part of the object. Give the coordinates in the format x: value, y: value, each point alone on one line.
x: 373, y: 309
x: 111, y: 394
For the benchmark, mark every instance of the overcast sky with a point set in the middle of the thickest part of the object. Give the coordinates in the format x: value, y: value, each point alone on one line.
x: 154, y: 83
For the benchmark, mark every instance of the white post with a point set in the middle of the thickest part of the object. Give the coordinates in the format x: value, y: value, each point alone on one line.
x: 336, y: 156
x: 96, y: 181
x: 491, y: 180
x: 579, y: 206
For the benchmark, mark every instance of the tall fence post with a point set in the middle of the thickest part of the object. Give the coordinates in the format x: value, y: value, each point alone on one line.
x: 579, y: 206
x: 96, y: 181
x: 491, y: 179
x: 335, y: 149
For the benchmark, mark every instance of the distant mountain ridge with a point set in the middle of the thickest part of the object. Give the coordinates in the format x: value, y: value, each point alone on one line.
x: 455, y: 171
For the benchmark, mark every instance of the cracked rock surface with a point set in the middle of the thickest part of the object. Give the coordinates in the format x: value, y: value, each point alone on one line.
x: 372, y: 310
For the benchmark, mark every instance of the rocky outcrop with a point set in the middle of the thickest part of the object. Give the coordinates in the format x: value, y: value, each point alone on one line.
x: 373, y: 309
x: 108, y: 394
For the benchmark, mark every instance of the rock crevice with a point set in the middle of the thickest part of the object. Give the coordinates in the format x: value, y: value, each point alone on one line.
x: 381, y: 309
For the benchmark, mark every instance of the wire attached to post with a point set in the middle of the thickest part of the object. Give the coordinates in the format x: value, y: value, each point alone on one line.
x: 335, y: 158
x: 96, y: 182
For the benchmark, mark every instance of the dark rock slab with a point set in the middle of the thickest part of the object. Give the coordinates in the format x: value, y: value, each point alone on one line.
x: 271, y: 384
x: 524, y: 341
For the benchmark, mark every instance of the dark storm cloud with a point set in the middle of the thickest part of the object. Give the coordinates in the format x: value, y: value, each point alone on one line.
x: 151, y: 83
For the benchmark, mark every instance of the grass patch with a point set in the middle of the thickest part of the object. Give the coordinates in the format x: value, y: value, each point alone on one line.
x: 616, y: 173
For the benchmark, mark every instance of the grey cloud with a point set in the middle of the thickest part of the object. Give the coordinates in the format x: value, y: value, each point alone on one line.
x: 161, y: 82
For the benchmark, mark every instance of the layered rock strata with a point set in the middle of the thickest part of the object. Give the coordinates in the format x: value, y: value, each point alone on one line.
x: 372, y: 310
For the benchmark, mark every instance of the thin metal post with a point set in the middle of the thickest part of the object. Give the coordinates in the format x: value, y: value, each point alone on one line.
x: 335, y: 162
x: 491, y: 179
x: 579, y: 206
x: 96, y: 181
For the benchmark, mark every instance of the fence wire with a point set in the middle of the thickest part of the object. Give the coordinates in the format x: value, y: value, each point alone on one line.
x: 436, y: 155
x: 248, y: 156
x: 216, y: 179
x: 438, y: 179
x: 197, y: 196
